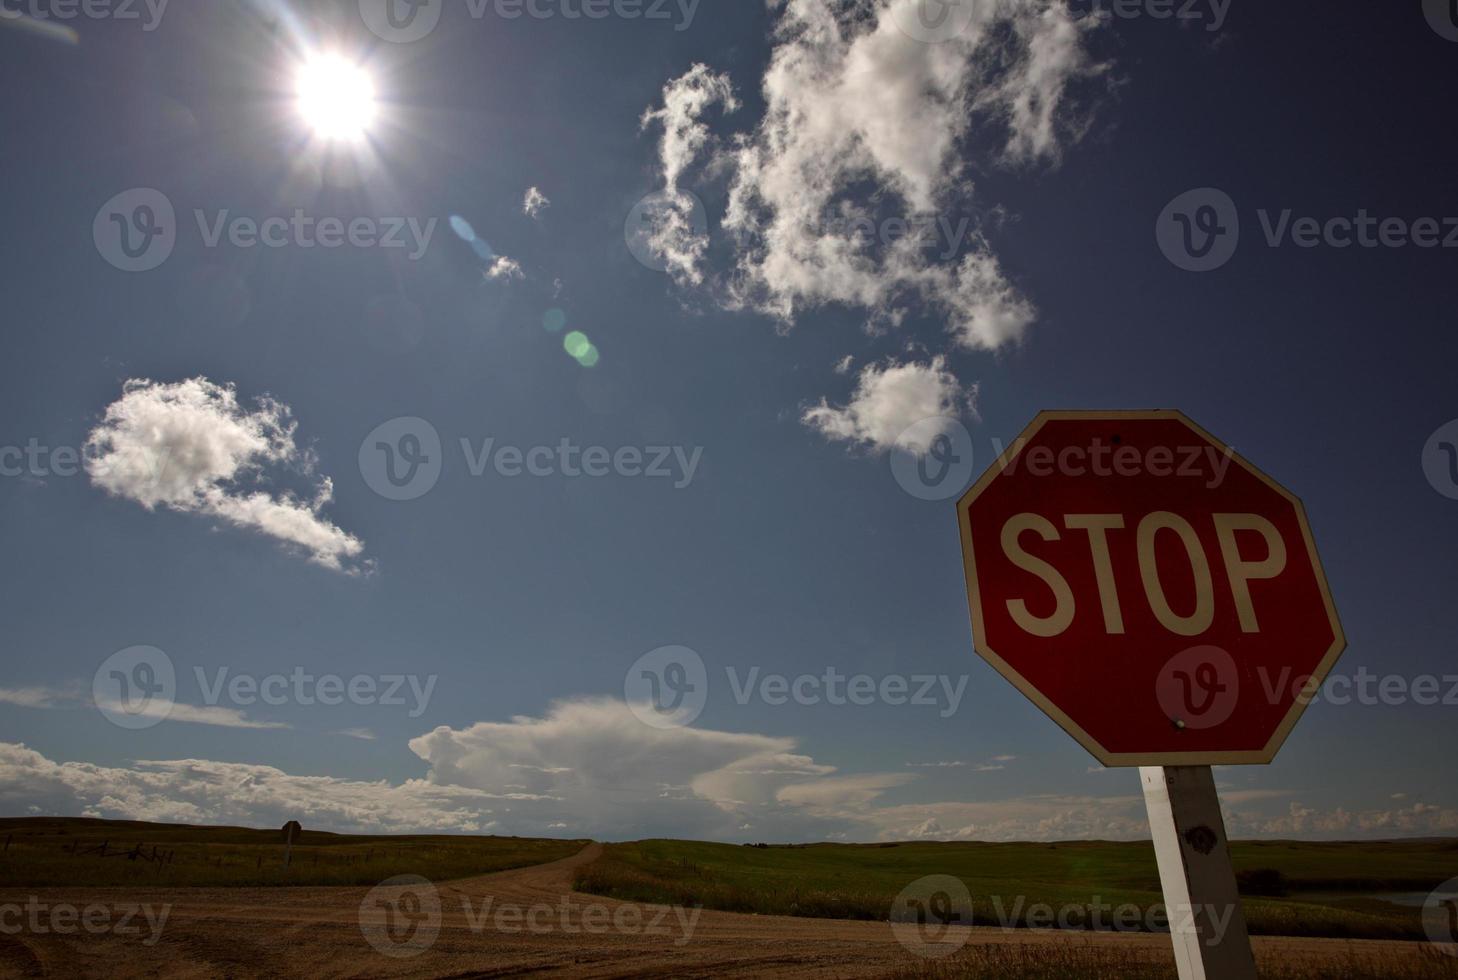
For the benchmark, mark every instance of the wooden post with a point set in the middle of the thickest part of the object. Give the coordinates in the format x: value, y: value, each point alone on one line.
x: 1206, y: 922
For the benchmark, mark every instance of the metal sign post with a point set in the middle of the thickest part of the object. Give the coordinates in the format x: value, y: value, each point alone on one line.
x: 1206, y: 921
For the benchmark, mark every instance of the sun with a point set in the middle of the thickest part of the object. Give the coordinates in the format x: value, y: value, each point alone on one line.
x: 336, y: 97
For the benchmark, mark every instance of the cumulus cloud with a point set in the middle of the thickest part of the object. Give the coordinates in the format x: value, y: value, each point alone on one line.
x: 606, y: 769
x: 504, y: 269
x: 535, y: 202
x: 863, y: 121
x: 889, y: 398
x: 190, y: 446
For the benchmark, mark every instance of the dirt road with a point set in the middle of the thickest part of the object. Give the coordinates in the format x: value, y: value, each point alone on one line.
x: 527, y: 920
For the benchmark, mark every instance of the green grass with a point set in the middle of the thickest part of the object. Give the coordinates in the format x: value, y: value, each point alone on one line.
x: 48, y: 852
x: 1329, y: 887
x: 1079, y: 963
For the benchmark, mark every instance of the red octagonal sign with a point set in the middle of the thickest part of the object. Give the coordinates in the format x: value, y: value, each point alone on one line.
x: 1153, y: 592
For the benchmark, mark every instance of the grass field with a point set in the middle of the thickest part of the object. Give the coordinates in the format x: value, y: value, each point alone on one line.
x: 63, y: 852
x: 1311, y: 889
x: 1044, y: 963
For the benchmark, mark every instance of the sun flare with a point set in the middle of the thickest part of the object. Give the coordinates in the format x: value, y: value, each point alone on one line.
x: 336, y: 98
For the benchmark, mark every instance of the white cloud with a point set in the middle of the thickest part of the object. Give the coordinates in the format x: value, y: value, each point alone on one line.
x: 504, y: 269
x: 189, y: 446
x: 863, y: 120
x: 198, y: 791
x: 363, y: 734
x: 31, y: 697
x: 592, y: 766
x: 888, y: 400
x: 76, y: 696
x: 675, y: 237
x: 1299, y: 820
x: 535, y: 203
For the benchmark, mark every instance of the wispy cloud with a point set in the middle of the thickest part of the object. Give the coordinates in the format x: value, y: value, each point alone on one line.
x: 76, y: 698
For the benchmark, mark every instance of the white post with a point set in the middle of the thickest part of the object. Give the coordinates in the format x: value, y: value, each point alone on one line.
x: 1205, y: 918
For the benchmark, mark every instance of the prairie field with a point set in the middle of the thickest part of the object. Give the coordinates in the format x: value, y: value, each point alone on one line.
x: 56, y: 852
x: 1290, y: 888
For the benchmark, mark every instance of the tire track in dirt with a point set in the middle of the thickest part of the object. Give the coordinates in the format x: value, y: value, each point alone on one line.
x: 527, y: 920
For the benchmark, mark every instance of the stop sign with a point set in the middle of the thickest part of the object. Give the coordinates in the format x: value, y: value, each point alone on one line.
x: 1153, y: 592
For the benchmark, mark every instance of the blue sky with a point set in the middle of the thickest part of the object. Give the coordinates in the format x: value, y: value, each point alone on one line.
x: 776, y: 356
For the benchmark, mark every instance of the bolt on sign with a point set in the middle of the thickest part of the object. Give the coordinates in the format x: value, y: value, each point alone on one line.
x: 1152, y: 591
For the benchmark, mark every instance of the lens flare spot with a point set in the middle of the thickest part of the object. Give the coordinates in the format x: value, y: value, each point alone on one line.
x: 554, y: 320
x: 576, y: 343
x: 462, y: 228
